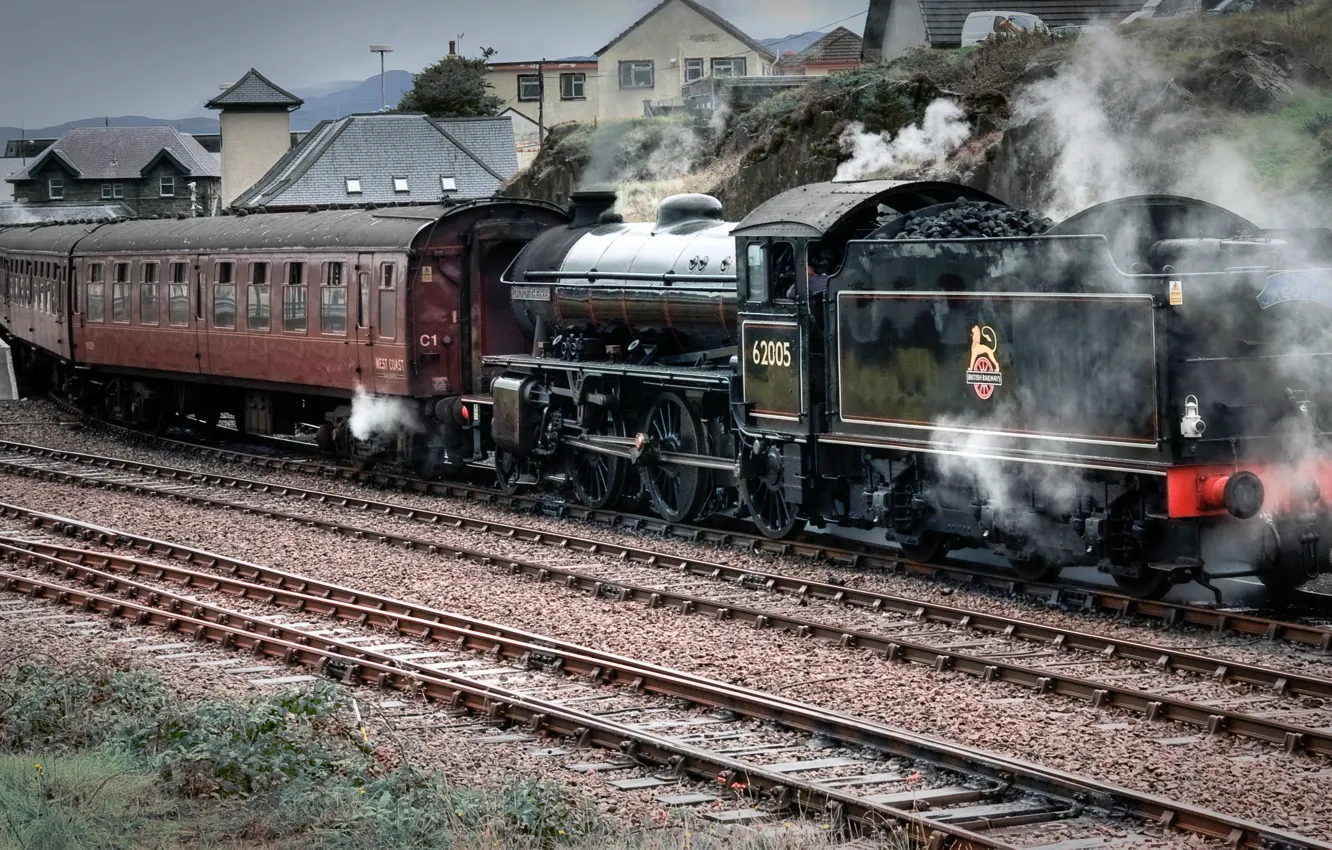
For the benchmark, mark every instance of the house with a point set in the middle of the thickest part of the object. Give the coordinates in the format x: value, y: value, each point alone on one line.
x: 839, y: 50
x: 894, y: 26
x: 149, y: 170
x: 386, y: 158
x: 549, y: 92
x: 255, y: 130
x: 642, y: 71
x: 645, y: 67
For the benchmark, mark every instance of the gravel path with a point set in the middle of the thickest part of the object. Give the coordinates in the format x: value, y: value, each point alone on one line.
x: 1224, y: 773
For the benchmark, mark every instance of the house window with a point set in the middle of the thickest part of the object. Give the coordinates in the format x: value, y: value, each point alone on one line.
x: 448, y: 184
x: 293, y: 299
x: 400, y: 184
x: 117, y: 190
x: 55, y: 188
x: 529, y: 87
x: 106, y: 191
x: 728, y: 67
x: 178, y: 295
x: 148, y: 295
x: 333, y: 300
x: 693, y: 70
x: 257, y: 306
x: 167, y: 186
x: 637, y: 74
x: 388, y: 305
x: 224, y: 295
x: 353, y: 185
x: 573, y: 86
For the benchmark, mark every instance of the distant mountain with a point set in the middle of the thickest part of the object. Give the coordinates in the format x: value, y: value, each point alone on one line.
x: 185, y: 125
x: 357, y: 97
x: 792, y: 43
x: 321, y: 89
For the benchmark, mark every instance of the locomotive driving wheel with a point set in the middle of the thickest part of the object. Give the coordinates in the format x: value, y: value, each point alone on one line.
x: 764, y: 494
x: 1036, y: 568
x: 677, y: 492
x: 598, y: 479
x: 508, y: 472
x: 1147, y: 584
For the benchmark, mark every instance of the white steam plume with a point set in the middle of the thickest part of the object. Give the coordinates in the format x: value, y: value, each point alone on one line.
x: 918, y: 146
x: 373, y: 416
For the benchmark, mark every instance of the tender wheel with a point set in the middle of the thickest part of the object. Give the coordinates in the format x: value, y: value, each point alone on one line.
x: 326, y: 439
x: 677, y: 492
x: 598, y: 479
x: 929, y: 546
x: 1149, y: 584
x: 764, y: 496
x: 508, y: 472
x: 1035, y: 568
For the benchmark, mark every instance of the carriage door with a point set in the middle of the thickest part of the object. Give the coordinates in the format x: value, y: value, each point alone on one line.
x: 774, y: 341
x: 362, y: 331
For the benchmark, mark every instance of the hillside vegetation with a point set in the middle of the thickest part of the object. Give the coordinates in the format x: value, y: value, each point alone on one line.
x: 1237, y: 110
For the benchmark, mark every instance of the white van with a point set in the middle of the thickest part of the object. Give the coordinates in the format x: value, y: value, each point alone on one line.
x: 981, y: 25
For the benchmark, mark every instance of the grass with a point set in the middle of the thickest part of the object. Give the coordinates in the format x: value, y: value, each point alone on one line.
x: 95, y: 755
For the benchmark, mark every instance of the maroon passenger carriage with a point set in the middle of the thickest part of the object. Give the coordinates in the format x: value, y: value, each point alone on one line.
x: 276, y: 319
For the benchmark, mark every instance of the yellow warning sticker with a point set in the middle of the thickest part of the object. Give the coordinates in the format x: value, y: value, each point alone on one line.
x: 1176, y: 293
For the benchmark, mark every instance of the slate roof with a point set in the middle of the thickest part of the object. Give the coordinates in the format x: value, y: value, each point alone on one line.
x: 254, y: 89
x: 944, y: 18
x: 480, y: 153
x: 19, y: 214
x: 122, y: 153
x: 757, y: 46
x: 840, y: 45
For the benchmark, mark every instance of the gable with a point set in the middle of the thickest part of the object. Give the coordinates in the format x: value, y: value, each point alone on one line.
x: 709, y: 18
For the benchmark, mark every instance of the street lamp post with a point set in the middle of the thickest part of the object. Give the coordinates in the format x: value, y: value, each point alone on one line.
x: 381, y: 49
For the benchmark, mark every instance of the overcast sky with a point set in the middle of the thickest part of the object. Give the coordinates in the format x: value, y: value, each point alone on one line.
x: 68, y: 59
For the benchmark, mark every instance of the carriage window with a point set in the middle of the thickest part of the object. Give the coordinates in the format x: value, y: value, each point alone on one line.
x: 783, y: 271
x: 148, y: 295
x: 333, y: 300
x: 294, y: 299
x: 95, y: 297
x: 224, y: 305
x: 257, y: 302
x: 120, y: 294
x: 756, y: 266
x: 388, y: 305
x: 363, y: 299
x: 225, y: 272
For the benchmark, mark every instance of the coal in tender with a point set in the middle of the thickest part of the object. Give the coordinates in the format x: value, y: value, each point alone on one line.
x: 966, y: 219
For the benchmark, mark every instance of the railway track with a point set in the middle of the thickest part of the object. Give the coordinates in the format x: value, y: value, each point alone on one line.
x: 1287, y: 707
x: 976, y: 799
x: 816, y: 548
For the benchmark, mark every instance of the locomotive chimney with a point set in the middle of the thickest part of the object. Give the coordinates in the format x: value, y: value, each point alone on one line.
x: 586, y: 206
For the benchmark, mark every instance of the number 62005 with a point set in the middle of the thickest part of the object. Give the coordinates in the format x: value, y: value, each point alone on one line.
x: 769, y: 352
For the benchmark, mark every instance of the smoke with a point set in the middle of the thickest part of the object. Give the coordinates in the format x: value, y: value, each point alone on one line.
x: 916, y: 148
x: 647, y: 161
x: 385, y: 417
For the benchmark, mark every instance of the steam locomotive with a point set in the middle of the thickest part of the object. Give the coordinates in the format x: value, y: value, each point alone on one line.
x: 1141, y: 388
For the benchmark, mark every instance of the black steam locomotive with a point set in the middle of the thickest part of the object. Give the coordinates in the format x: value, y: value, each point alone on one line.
x: 1140, y: 388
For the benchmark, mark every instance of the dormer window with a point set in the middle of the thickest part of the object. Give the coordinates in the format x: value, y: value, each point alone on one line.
x: 400, y: 184
x: 167, y: 186
x: 353, y: 185
x: 55, y: 187
x: 448, y: 184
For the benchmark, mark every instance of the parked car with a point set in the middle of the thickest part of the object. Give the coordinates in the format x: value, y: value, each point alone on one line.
x: 981, y: 25
x: 1075, y: 30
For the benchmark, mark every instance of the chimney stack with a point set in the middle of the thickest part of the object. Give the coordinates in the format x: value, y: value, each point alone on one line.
x: 453, y: 48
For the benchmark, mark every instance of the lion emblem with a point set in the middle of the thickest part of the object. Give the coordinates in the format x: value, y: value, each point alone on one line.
x: 984, y: 374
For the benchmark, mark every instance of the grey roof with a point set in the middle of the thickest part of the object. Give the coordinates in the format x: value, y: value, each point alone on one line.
x: 122, y: 153
x: 944, y: 18
x: 814, y: 209
x: 754, y: 45
x: 49, y: 239
x: 346, y: 229
x: 480, y: 153
x: 254, y: 89
x: 19, y: 214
